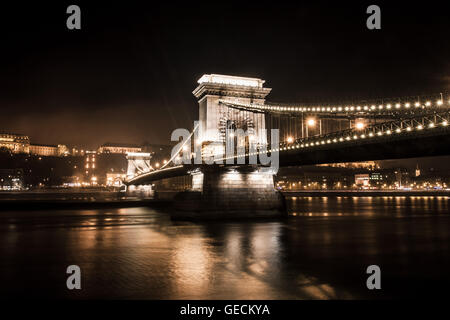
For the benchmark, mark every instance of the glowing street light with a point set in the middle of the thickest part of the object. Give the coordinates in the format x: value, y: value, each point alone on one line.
x: 290, y: 139
x: 360, y: 125
x: 311, y: 122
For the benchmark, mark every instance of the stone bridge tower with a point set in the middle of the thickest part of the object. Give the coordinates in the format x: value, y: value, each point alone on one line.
x: 230, y: 191
x: 215, y: 117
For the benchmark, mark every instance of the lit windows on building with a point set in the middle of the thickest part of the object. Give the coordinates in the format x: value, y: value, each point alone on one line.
x: 115, y: 179
x: 48, y: 150
x: 90, y: 173
x: 362, y: 180
x: 376, y: 176
x: 11, y: 179
x: 16, y: 143
x: 118, y: 148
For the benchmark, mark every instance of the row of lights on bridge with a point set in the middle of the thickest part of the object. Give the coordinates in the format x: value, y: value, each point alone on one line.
x: 311, y: 122
x: 362, y: 136
x: 373, y: 107
x: 419, y: 127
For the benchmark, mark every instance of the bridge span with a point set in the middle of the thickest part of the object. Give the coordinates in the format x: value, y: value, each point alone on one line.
x: 372, y: 130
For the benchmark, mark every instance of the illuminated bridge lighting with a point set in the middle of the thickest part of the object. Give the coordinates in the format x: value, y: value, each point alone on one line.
x: 360, y: 134
x: 383, y: 108
x: 348, y: 136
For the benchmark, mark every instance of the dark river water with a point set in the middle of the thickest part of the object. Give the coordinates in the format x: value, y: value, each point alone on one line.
x: 320, y: 252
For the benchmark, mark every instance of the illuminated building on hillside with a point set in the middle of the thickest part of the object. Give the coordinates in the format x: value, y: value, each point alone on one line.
x: 16, y: 143
x: 48, y: 150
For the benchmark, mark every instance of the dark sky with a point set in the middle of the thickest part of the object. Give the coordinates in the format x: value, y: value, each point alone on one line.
x: 128, y: 74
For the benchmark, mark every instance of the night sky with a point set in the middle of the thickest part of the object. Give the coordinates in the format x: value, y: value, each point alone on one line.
x: 128, y: 74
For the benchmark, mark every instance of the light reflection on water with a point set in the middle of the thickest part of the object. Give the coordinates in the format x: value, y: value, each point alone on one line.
x: 400, y: 206
x: 320, y: 252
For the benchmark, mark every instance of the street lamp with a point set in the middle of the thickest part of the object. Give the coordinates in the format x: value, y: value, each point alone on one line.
x: 311, y: 122
x: 360, y: 125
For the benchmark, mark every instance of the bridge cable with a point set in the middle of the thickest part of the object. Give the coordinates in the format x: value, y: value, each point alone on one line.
x: 181, y: 148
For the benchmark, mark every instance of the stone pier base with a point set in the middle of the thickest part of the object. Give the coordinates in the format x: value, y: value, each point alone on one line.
x: 229, y: 193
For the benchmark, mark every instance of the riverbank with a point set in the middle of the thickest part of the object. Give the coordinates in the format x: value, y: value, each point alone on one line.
x: 50, y: 200
x: 9, y: 205
x: 367, y: 193
x: 74, y: 199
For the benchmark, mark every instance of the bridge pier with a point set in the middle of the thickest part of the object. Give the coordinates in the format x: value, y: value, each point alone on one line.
x: 224, y: 192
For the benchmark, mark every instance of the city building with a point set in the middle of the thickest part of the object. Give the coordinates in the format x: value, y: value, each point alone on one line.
x: 90, y: 172
x: 11, y: 179
x: 118, y: 148
x: 16, y: 143
x: 49, y: 150
x: 63, y: 150
x: 370, y: 165
x: 115, y: 179
x: 362, y: 180
x: 376, y: 179
x: 314, y: 178
x: 45, y: 150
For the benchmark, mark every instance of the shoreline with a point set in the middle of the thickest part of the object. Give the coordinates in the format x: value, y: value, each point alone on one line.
x: 367, y: 193
x: 17, y: 205
x: 15, y: 201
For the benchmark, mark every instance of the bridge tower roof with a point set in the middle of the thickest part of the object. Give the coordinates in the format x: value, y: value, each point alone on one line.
x: 232, y: 86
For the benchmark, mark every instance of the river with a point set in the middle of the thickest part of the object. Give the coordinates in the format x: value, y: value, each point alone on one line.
x: 320, y: 252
